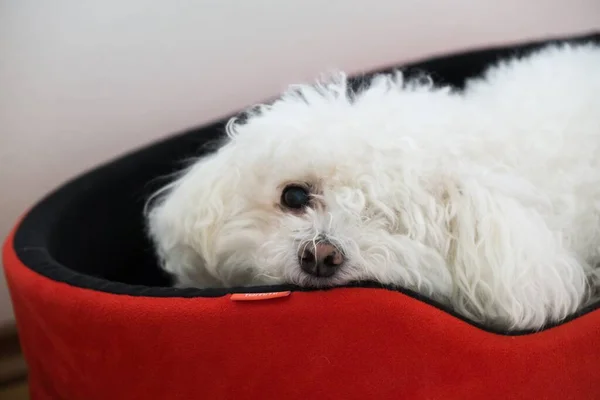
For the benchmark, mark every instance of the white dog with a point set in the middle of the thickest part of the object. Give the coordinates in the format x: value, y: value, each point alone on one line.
x: 487, y: 200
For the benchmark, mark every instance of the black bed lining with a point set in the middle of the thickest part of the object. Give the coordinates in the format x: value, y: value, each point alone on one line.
x: 89, y: 233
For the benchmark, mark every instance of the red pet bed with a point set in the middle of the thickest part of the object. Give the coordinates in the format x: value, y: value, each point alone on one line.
x: 98, y: 321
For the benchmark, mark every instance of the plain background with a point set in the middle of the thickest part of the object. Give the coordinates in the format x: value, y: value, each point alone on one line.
x: 82, y: 81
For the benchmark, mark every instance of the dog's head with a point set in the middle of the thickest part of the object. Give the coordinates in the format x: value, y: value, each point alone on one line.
x: 319, y: 188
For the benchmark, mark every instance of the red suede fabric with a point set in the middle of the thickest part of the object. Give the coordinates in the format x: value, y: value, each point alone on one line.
x: 338, y: 344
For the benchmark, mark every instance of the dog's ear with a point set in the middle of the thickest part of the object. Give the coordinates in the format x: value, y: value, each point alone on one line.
x: 187, y: 214
x: 501, y: 247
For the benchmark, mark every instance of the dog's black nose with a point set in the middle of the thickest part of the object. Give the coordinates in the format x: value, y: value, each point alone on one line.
x: 321, y: 260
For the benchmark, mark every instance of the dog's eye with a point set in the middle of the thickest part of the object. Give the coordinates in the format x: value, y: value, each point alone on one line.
x: 295, y: 197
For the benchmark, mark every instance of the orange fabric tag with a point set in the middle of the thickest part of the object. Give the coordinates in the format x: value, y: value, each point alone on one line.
x: 258, y: 296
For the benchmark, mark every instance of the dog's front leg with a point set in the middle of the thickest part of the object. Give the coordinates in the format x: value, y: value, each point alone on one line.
x: 508, y: 267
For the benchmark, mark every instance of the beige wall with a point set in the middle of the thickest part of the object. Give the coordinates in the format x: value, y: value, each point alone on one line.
x: 82, y: 81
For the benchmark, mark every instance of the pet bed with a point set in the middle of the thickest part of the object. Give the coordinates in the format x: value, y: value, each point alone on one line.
x: 98, y: 321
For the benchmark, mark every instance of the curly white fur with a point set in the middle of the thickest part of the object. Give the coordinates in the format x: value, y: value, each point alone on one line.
x: 487, y: 200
